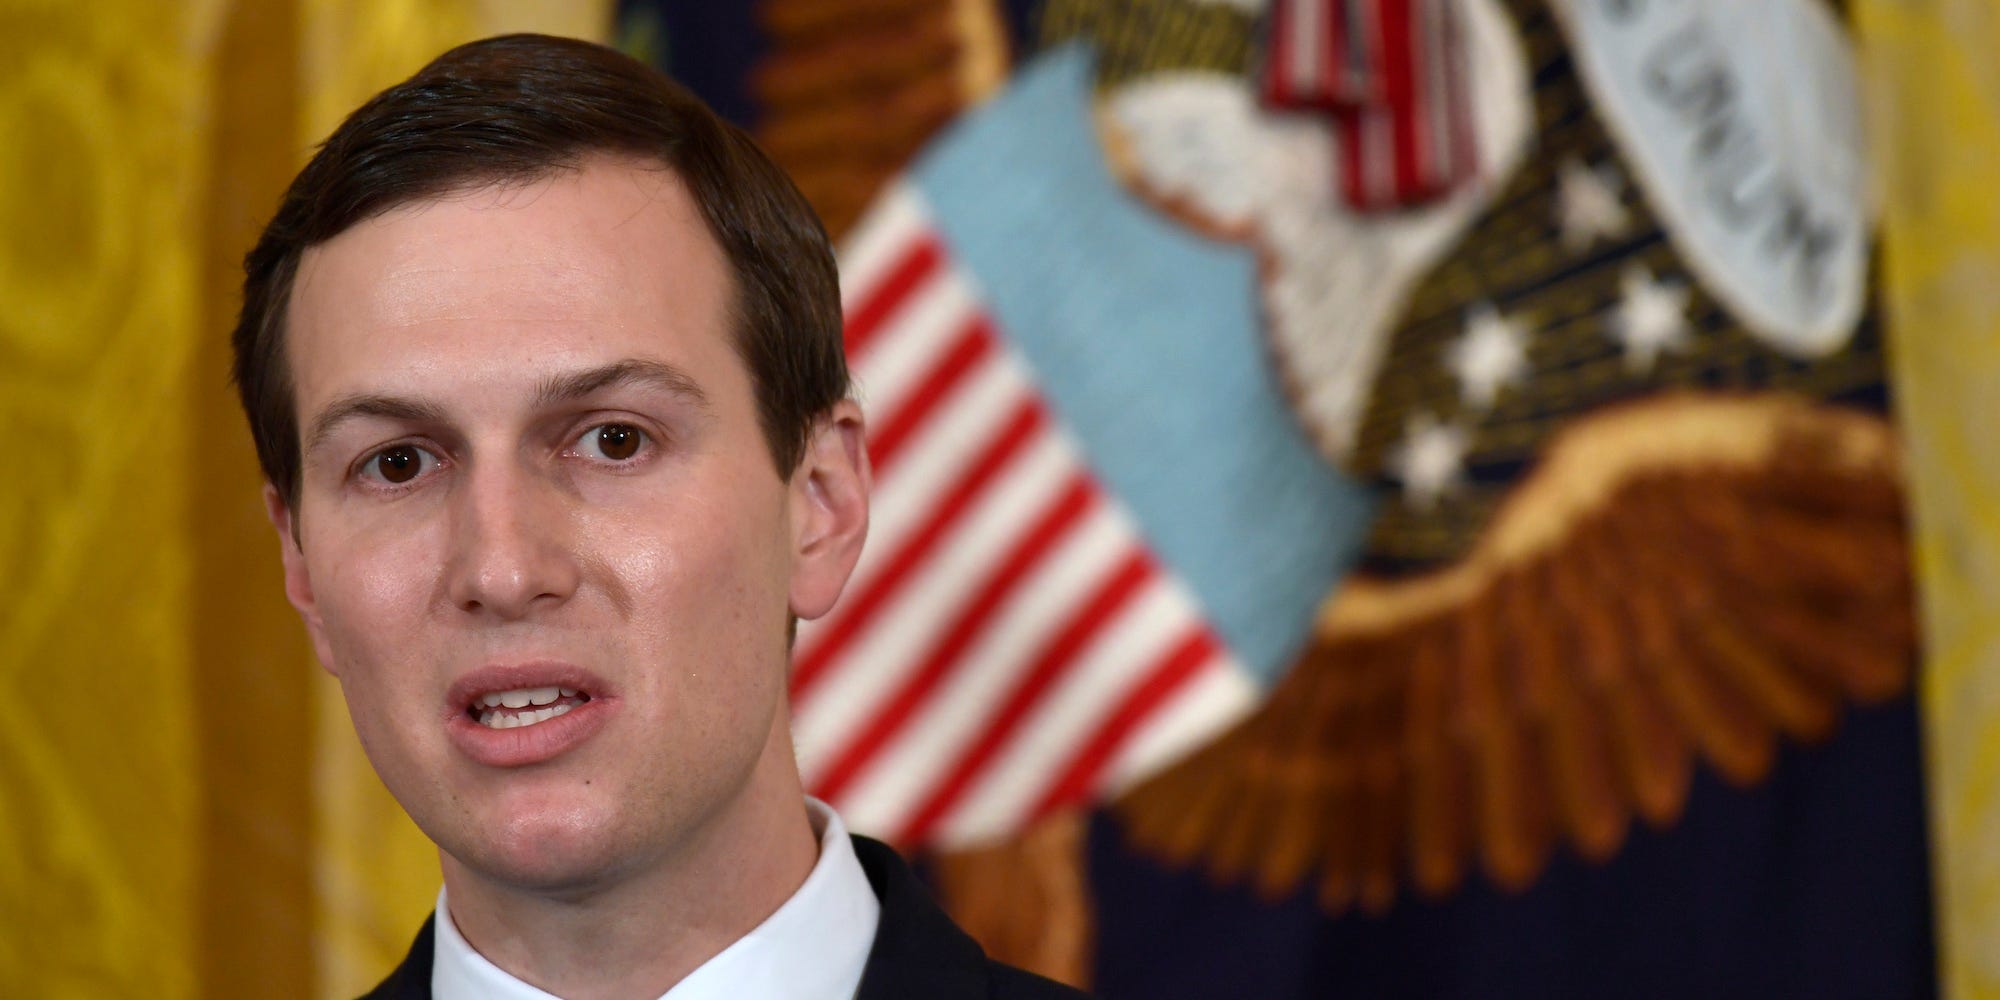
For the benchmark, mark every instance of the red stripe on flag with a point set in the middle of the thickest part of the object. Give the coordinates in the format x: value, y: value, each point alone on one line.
x: 1336, y: 72
x: 1172, y: 671
x: 878, y: 303
x: 1416, y: 113
x: 1353, y: 162
x: 943, y: 658
x: 853, y: 614
x: 1278, y: 56
x: 972, y: 344
x: 1398, y: 78
x: 1053, y: 662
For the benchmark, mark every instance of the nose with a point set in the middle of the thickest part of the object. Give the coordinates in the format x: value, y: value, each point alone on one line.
x: 510, y: 552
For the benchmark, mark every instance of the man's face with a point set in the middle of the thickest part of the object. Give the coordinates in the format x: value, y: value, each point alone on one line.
x: 533, y: 471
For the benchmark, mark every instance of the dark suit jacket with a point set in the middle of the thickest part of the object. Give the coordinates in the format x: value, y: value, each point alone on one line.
x: 919, y: 954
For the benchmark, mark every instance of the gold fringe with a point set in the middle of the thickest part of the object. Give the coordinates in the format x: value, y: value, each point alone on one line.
x: 1026, y: 900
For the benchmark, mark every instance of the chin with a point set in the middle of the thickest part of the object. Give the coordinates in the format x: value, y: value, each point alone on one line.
x: 546, y: 851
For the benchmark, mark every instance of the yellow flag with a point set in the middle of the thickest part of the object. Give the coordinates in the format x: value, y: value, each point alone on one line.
x: 101, y: 119
x: 1935, y: 119
x: 184, y: 811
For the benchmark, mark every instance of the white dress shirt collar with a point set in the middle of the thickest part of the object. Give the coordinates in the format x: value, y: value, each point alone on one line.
x: 812, y: 948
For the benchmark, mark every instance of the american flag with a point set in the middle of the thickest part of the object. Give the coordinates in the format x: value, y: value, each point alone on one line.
x: 1009, y: 644
x: 1390, y: 73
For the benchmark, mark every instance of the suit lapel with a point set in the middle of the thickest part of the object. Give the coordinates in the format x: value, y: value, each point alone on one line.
x: 918, y: 951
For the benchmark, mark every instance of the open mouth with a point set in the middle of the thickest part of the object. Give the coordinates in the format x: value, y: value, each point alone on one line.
x: 519, y: 707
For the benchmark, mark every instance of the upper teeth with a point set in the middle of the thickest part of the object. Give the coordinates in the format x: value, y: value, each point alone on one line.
x: 523, y: 697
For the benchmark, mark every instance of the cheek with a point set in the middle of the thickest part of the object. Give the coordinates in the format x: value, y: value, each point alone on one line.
x: 703, y: 560
x: 375, y: 601
x: 373, y: 593
x: 744, y: 566
x: 701, y: 585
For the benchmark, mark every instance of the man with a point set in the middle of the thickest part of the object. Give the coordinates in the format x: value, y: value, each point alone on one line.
x: 543, y: 365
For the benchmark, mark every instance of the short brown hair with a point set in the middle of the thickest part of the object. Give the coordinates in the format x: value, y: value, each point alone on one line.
x: 516, y: 108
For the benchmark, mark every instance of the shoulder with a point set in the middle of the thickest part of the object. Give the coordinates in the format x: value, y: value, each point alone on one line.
x: 918, y: 951
x: 412, y: 979
x: 1010, y: 983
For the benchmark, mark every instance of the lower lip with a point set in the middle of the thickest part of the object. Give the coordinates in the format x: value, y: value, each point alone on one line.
x: 525, y: 745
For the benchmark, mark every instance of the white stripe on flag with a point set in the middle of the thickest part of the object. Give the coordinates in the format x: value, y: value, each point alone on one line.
x: 936, y: 457
x: 909, y: 344
x: 869, y: 669
x: 898, y: 220
x: 1070, y: 711
x: 1217, y: 697
x: 1305, y: 33
x: 1437, y: 84
x: 933, y: 739
x: 954, y: 730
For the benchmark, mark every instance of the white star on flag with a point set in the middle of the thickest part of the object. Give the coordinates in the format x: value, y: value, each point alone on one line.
x: 1492, y: 353
x: 1587, y: 207
x: 1430, y: 460
x: 1651, y: 317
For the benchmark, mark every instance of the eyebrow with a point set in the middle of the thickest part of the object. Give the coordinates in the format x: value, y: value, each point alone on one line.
x: 348, y: 408
x: 638, y: 372
x: 554, y: 390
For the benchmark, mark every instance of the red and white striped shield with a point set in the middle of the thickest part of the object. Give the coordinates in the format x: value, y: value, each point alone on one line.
x: 1008, y: 644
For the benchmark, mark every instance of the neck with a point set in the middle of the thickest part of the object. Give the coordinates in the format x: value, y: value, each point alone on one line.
x: 638, y: 935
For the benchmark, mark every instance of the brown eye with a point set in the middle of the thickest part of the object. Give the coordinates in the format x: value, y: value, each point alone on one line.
x: 616, y: 442
x: 399, y: 465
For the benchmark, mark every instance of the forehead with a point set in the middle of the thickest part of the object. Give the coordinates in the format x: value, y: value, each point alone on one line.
x: 612, y: 259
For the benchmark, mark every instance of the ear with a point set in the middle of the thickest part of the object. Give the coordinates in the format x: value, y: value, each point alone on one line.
x: 298, y: 583
x: 829, y: 506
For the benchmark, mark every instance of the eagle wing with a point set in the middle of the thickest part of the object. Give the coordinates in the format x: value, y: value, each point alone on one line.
x: 1683, y: 578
